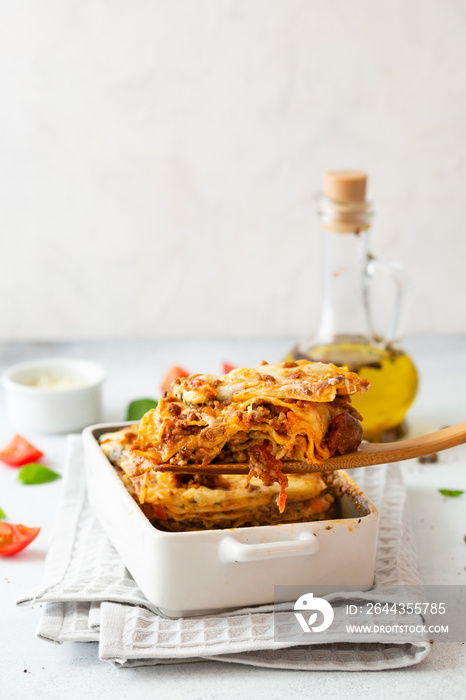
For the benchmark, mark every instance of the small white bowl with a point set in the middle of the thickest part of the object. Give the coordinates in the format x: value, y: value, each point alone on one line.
x: 53, y: 395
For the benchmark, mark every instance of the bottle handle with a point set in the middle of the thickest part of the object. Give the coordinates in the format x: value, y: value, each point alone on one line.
x: 378, y: 269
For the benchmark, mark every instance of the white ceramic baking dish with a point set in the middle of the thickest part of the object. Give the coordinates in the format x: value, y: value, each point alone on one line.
x: 193, y: 573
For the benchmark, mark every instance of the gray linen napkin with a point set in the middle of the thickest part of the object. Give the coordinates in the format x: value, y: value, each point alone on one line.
x: 91, y: 597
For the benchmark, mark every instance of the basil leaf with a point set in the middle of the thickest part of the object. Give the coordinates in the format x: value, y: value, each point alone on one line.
x: 2, y: 514
x: 33, y: 474
x: 139, y: 407
x: 451, y: 493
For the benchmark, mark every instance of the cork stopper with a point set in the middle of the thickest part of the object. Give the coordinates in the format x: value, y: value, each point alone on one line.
x: 345, y: 185
x: 344, y: 208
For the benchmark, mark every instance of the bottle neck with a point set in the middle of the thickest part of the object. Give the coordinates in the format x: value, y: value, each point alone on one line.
x: 345, y: 217
x: 344, y: 310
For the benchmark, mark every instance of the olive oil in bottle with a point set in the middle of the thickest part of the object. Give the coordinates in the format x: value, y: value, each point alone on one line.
x: 346, y: 336
x: 391, y: 373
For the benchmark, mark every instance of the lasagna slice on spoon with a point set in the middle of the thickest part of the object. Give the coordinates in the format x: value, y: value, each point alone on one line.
x: 261, y: 416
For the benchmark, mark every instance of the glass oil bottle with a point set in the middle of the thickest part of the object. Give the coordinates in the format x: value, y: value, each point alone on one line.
x: 347, y: 334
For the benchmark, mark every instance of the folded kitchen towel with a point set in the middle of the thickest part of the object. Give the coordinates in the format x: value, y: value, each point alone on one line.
x: 91, y: 597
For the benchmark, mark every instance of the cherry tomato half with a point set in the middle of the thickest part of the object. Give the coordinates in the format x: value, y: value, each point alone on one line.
x: 14, y: 538
x: 19, y: 451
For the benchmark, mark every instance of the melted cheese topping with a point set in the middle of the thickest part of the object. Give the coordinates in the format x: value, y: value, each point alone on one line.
x: 301, y: 380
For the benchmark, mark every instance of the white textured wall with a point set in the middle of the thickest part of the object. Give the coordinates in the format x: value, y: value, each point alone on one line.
x: 158, y: 159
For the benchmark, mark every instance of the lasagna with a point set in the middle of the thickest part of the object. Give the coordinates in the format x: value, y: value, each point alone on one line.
x: 262, y: 416
x: 186, y: 502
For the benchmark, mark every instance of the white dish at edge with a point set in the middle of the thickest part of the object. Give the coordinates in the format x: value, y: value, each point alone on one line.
x: 71, y: 401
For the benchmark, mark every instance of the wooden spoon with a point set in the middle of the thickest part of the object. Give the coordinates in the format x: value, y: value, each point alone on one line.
x: 367, y: 455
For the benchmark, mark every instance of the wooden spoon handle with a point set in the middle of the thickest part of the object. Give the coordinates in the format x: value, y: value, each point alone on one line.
x: 368, y: 454
x: 380, y: 453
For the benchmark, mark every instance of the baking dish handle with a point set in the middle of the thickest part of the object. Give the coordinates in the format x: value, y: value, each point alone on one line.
x: 233, y: 551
